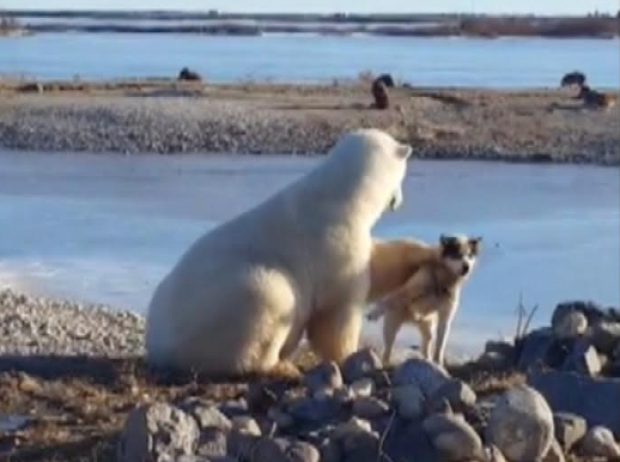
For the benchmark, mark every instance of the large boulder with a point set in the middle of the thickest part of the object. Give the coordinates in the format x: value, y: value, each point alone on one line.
x: 605, y: 336
x: 157, y: 433
x: 583, y: 359
x: 521, y: 425
x: 426, y: 375
x: 596, y: 400
x: 453, y: 438
x: 600, y: 442
x: 571, y: 325
x: 362, y: 364
x: 569, y: 429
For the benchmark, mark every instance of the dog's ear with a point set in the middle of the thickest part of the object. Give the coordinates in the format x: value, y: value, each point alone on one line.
x: 474, y: 244
x: 444, y: 240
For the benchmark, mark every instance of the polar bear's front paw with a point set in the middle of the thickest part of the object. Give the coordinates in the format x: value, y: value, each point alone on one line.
x: 285, y: 370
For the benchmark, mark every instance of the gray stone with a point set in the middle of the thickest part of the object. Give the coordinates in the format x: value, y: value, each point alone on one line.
x: 409, y: 442
x: 596, y: 400
x: 369, y: 408
x: 314, y: 410
x: 453, y: 437
x: 246, y: 424
x: 571, y: 325
x: 456, y: 393
x: 362, y: 388
x: 583, y: 359
x: 330, y: 451
x: 357, y: 441
x: 282, y: 450
x: 426, y: 375
x: 234, y: 408
x: 493, y: 454
x: 409, y: 401
x: 592, y: 311
x: 569, y: 428
x: 157, y: 433
x: 325, y: 375
x: 536, y: 350
x: 213, y: 442
x: 521, y: 425
x: 206, y: 414
x: 605, y: 336
x: 281, y: 419
x: 364, y: 363
x: 554, y: 453
x: 599, y: 442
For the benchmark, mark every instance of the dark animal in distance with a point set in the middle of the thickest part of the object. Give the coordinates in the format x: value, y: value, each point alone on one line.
x: 380, y: 92
x: 573, y: 78
x: 594, y: 99
x: 187, y: 74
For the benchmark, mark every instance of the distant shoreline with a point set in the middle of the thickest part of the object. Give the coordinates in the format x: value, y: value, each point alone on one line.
x: 404, y: 25
x: 172, y: 117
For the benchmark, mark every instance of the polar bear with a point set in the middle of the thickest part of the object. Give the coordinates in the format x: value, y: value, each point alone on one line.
x: 243, y: 296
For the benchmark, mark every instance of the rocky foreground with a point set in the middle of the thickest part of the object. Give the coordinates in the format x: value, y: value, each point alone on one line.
x: 165, y: 116
x: 552, y: 395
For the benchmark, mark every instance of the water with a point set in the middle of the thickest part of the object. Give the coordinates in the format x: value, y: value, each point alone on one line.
x: 500, y: 63
x: 107, y: 228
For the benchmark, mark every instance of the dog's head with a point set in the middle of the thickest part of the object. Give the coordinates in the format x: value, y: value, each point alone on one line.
x: 460, y: 253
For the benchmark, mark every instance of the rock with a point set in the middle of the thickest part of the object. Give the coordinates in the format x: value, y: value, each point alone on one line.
x: 247, y: 425
x: 426, y: 375
x: 539, y: 348
x: 409, y: 401
x: 369, y: 408
x: 584, y: 360
x: 206, y: 414
x: 498, y: 355
x: 570, y: 326
x: 599, y: 442
x: 592, y: 311
x: 213, y: 442
x: 357, y: 441
x: 521, y: 425
x: 280, y: 418
x: 456, y: 393
x: 281, y: 450
x: 493, y: 454
x: 189, y: 75
x: 325, y: 375
x: 361, y: 364
x: 157, y: 432
x: 362, y: 388
x: 409, y: 442
x: 350, y: 427
x: 605, y: 336
x: 313, y: 410
x: 569, y: 428
x: 330, y: 451
x: 234, y: 408
x: 453, y: 437
x: 567, y: 392
x: 261, y: 398
x: 554, y: 453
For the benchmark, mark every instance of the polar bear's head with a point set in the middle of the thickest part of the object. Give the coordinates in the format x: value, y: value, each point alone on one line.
x: 367, y: 168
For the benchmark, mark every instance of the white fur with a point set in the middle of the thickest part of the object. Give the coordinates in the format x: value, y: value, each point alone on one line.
x: 243, y: 295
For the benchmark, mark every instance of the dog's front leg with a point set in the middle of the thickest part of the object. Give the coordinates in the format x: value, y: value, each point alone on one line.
x: 443, y: 331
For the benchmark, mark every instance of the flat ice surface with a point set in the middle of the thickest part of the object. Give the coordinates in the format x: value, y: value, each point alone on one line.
x: 106, y: 228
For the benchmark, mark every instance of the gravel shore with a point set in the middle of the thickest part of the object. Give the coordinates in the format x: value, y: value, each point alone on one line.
x: 40, y: 326
x: 170, y: 117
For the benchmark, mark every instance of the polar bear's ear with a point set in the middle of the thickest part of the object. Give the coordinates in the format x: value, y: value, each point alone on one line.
x: 404, y: 151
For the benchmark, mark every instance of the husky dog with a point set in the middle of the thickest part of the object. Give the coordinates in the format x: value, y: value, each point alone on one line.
x: 573, y: 78
x: 429, y: 298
